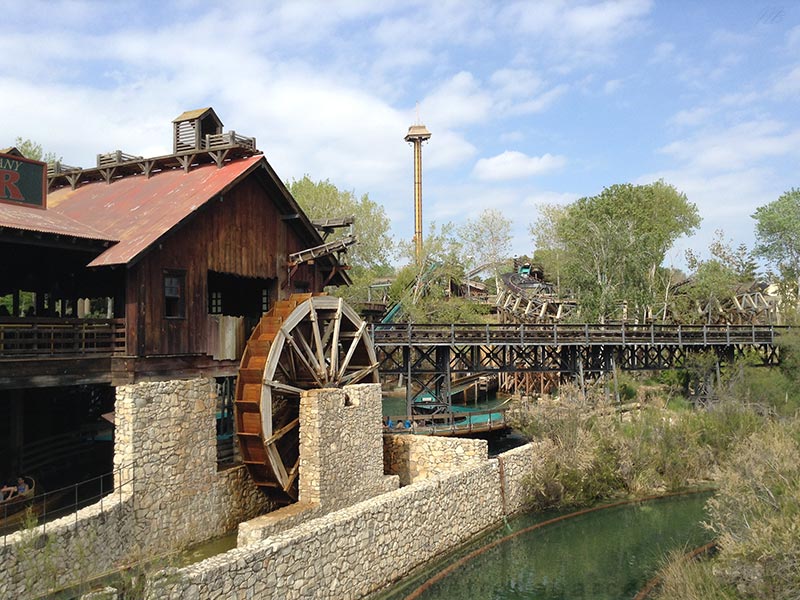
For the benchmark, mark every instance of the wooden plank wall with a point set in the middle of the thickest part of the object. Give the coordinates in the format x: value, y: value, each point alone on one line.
x: 241, y: 234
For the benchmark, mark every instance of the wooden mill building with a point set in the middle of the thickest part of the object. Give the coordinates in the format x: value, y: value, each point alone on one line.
x: 143, y: 269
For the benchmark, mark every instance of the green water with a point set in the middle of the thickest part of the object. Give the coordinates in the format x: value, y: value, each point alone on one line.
x: 609, y: 554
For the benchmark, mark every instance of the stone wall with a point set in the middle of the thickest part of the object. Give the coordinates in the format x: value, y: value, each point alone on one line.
x: 165, y: 445
x: 169, y: 494
x: 416, y: 457
x: 95, y: 540
x: 516, y: 466
x: 341, y: 458
x: 341, y: 446
x: 351, y: 552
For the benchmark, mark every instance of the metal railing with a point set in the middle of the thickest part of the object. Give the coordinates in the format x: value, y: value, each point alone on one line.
x: 46, y: 506
x: 43, y: 336
x: 584, y: 334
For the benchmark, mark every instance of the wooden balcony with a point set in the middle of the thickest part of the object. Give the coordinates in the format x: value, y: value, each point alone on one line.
x: 55, y: 337
x: 41, y: 352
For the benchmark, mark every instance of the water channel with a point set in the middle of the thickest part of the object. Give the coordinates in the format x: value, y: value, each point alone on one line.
x: 603, y: 555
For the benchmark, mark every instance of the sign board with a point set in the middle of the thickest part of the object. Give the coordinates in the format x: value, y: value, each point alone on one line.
x: 23, y: 181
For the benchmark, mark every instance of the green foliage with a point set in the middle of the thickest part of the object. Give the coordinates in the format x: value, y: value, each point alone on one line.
x: 592, y: 239
x: 692, y: 580
x: 778, y: 236
x: 370, y: 257
x: 756, y: 514
x: 587, y: 455
x: 714, y: 281
x: 426, y: 288
x: 33, y: 150
x: 486, y: 240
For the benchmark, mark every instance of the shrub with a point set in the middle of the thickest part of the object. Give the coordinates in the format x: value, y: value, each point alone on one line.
x: 692, y: 580
x: 756, y: 514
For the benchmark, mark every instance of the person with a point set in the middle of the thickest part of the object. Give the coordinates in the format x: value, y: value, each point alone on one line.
x: 15, y: 490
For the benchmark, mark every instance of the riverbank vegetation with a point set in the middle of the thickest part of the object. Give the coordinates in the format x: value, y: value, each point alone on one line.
x: 743, y: 438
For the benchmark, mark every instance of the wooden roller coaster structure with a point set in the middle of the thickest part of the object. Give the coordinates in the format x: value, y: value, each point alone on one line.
x: 305, y: 342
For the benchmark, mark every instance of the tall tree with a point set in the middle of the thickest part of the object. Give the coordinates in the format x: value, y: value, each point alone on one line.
x: 369, y: 257
x: 614, y: 244
x: 550, y: 249
x: 778, y: 237
x: 322, y: 199
x: 487, y: 241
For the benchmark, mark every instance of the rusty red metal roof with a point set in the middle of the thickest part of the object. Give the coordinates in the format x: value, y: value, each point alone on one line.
x: 137, y: 211
x: 27, y: 218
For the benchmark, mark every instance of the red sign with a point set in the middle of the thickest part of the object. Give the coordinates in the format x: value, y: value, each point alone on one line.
x: 23, y: 181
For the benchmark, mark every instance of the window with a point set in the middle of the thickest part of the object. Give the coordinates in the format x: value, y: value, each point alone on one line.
x: 264, y: 300
x: 215, y: 303
x: 174, y: 293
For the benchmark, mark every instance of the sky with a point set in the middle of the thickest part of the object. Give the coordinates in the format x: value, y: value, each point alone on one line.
x: 528, y: 103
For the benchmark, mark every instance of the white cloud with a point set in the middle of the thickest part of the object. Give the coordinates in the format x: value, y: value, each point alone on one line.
x: 538, y: 103
x: 736, y: 147
x: 611, y: 86
x: 456, y: 102
x: 787, y: 85
x: 515, y: 83
x: 588, y: 25
x: 663, y: 52
x: 691, y: 117
x: 515, y: 165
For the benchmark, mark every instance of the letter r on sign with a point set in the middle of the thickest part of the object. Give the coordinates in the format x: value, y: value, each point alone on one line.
x: 8, y: 186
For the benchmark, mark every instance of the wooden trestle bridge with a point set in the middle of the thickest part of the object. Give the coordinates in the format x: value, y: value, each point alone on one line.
x: 530, y: 358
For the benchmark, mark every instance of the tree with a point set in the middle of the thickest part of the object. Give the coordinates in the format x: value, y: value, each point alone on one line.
x: 778, y: 237
x: 614, y: 244
x: 322, y: 199
x: 425, y: 287
x: 487, y: 241
x: 33, y: 150
x: 714, y: 281
x: 369, y: 257
x: 550, y: 249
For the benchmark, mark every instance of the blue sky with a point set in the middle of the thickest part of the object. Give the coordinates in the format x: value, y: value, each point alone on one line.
x: 528, y: 102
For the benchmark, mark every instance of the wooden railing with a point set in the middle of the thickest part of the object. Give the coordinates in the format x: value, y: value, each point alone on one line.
x: 214, y: 141
x: 449, y: 424
x: 52, y: 337
x: 574, y: 334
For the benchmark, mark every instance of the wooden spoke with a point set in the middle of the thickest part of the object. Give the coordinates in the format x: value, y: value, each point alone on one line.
x: 351, y: 350
x: 333, y: 367
x: 305, y: 354
x: 284, y: 388
x: 317, y: 341
x: 356, y: 376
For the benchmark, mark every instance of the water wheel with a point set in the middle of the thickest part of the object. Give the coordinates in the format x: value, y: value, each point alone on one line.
x: 302, y: 343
